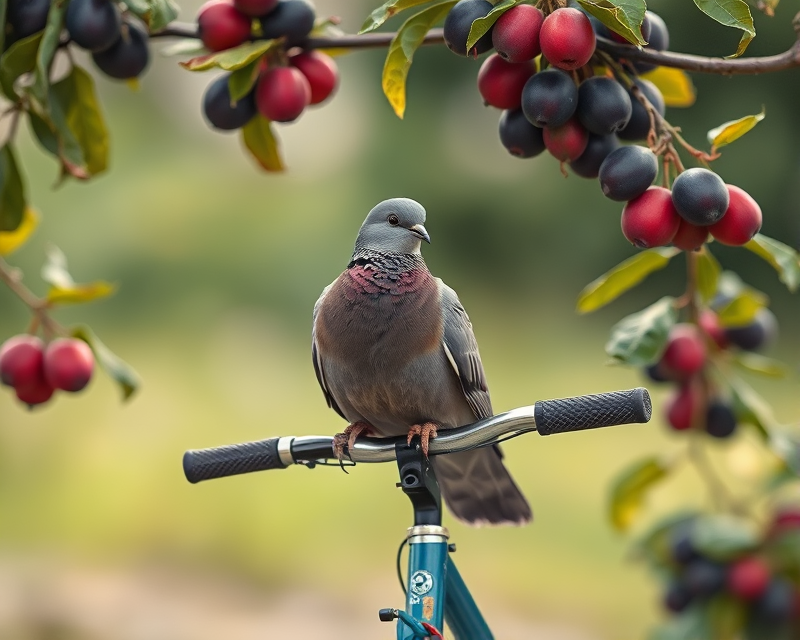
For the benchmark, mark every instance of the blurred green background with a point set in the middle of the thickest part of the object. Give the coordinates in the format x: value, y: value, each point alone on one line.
x: 219, y: 266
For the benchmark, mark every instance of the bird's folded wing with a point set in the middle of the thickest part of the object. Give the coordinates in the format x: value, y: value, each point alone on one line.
x: 318, y: 368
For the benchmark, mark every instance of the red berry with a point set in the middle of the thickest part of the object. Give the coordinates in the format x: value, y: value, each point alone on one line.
x: 567, y: 38
x: 221, y: 26
x: 68, y: 364
x: 690, y: 237
x: 21, y: 361
x: 748, y: 578
x: 501, y: 82
x: 320, y: 71
x: 651, y: 219
x: 682, y: 407
x: 785, y: 519
x: 37, y: 393
x: 686, y: 352
x: 515, y: 36
x: 568, y: 141
x: 255, y: 8
x: 741, y: 220
x: 282, y: 94
x: 709, y: 322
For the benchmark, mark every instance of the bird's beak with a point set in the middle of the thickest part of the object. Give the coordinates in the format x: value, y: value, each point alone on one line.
x: 420, y: 231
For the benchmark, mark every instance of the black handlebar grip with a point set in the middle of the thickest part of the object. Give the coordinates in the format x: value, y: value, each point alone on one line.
x: 231, y: 460
x: 592, y: 411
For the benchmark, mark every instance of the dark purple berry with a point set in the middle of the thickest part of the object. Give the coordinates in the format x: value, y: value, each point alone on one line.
x: 677, y: 597
x: 700, y: 196
x: 720, y: 419
x: 93, y: 24
x: 292, y: 19
x: 628, y: 172
x: 458, y: 23
x: 603, y: 105
x: 703, y: 577
x: 755, y: 335
x: 127, y: 57
x: 639, y: 124
x: 549, y: 98
x: 587, y: 165
x: 519, y: 136
x: 218, y: 110
x: 27, y: 17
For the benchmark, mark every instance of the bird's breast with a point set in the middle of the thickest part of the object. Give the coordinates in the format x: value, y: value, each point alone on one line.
x: 373, y: 319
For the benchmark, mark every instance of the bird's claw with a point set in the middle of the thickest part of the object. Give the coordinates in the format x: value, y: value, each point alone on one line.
x: 347, y: 439
x: 426, y: 431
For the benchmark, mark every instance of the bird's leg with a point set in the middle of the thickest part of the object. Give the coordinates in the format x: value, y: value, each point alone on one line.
x: 425, y: 431
x: 348, y: 437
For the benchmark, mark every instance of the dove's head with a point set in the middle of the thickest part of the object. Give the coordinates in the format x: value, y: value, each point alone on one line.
x: 393, y: 226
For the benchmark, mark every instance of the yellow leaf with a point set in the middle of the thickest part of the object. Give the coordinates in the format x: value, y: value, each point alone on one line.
x: 733, y: 130
x: 80, y: 293
x: 10, y: 241
x: 675, y: 85
x: 401, y: 51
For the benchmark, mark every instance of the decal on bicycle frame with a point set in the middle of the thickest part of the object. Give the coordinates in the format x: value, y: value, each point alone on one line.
x: 421, y: 582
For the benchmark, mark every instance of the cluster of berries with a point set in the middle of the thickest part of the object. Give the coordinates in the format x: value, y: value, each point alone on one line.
x: 578, y: 124
x: 694, y: 404
x: 286, y: 84
x: 35, y: 370
x: 757, y: 580
x: 699, y: 203
x: 117, y: 41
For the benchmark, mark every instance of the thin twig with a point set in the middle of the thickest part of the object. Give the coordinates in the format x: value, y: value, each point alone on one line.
x: 686, y: 61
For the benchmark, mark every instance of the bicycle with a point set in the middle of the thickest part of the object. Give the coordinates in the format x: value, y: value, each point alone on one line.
x: 436, y: 591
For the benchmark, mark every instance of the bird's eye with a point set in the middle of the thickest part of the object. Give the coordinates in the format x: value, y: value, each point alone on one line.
x: 393, y: 220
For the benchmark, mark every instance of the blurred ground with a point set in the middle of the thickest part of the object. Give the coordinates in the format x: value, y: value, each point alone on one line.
x: 101, y: 538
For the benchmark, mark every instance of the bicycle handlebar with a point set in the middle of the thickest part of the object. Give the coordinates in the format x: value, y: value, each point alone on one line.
x: 546, y: 417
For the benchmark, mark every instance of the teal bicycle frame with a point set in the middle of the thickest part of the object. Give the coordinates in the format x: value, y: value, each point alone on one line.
x: 436, y: 591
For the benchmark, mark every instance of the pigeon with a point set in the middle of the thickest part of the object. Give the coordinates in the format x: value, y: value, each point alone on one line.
x: 394, y: 353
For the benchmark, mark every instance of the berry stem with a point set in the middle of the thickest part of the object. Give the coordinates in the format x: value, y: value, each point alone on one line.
x: 720, y: 496
x: 39, y: 307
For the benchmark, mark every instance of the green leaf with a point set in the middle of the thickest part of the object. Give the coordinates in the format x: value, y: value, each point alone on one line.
x: 750, y: 408
x: 723, y: 537
x: 731, y: 13
x: 621, y: 16
x: 386, y: 11
x: 762, y: 365
x: 156, y: 14
x: 481, y: 25
x: 639, y: 339
x: 733, y: 130
x: 675, y: 86
x: 401, y: 52
x: 77, y: 97
x: 242, y: 81
x: 10, y: 241
x: 44, y: 133
x: 80, y: 293
x: 18, y: 60
x: 184, y: 47
x: 232, y: 59
x: 260, y: 141
x: 119, y: 370
x: 782, y: 257
x: 12, y: 191
x: 708, y: 272
x: 629, y: 489
x: 785, y: 552
x: 742, y: 310
x: 626, y: 275
x: 47, y: 50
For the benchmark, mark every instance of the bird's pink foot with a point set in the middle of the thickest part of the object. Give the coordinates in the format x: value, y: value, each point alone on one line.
x: 348, y: 437
x: 425, y: 431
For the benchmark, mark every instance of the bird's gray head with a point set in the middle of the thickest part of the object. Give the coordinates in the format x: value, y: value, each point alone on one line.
x: 393, y: 226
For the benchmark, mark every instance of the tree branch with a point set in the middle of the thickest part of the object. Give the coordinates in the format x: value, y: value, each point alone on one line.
x: 686, y: 61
